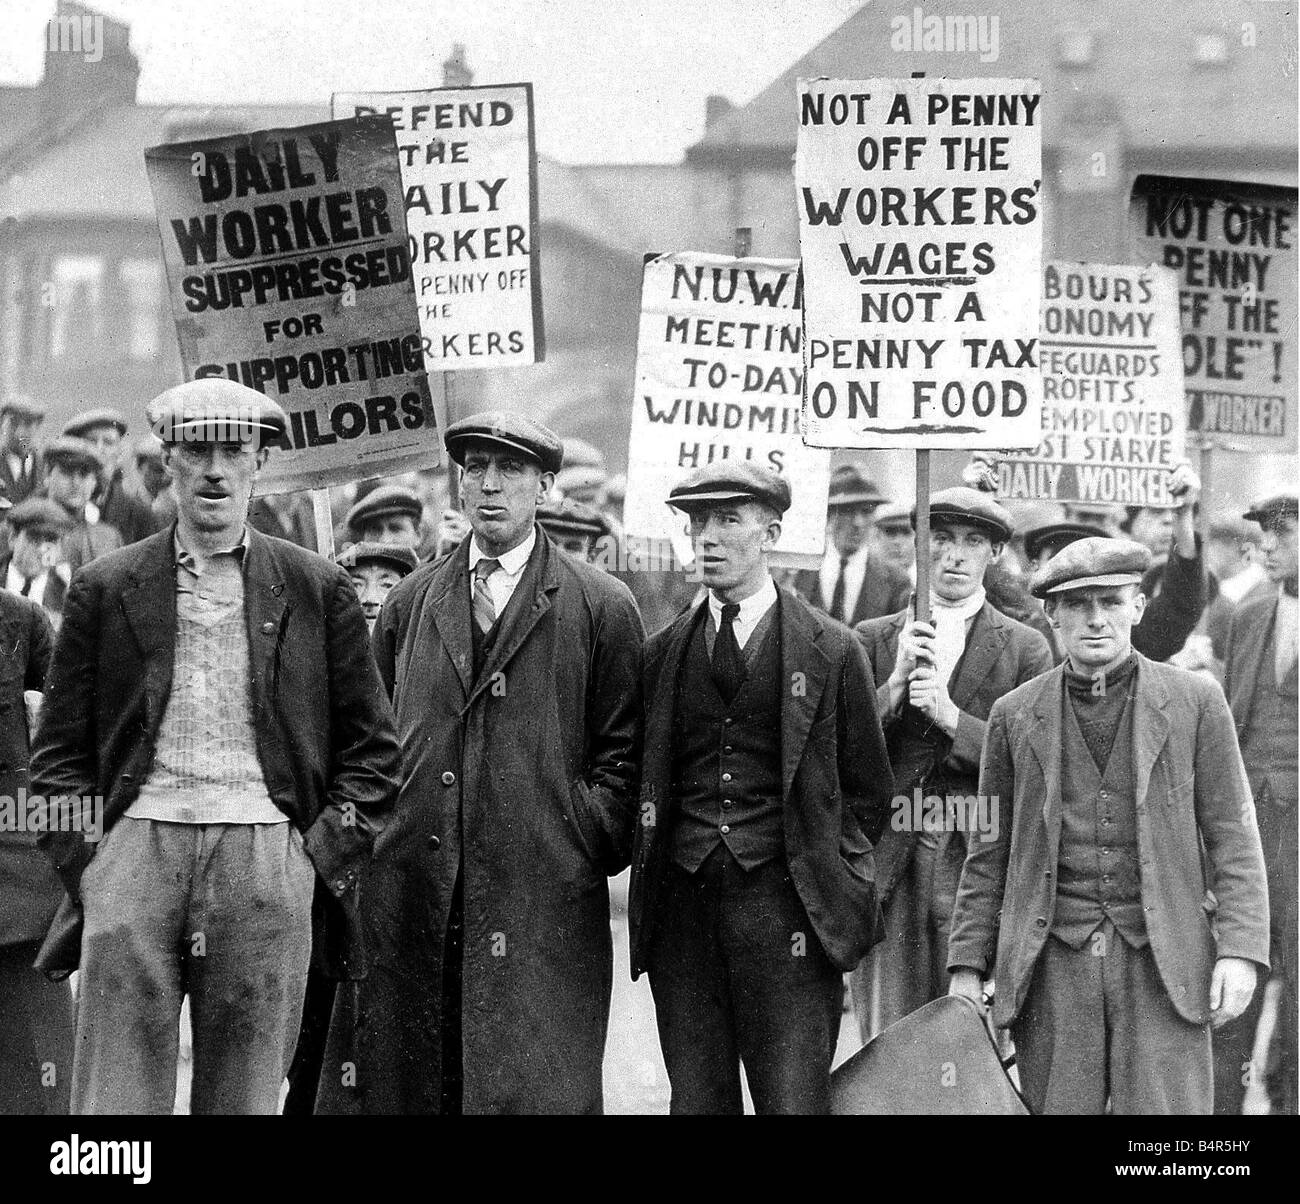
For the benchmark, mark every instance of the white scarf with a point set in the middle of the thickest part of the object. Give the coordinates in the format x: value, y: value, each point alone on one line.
x: 950, y: 629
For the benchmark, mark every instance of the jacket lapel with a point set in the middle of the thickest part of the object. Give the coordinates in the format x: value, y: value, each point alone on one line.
x: 149, y: 603
x: 449, y: 599
x: 661, y: 699
x: 1150, y: 725
x: 530, y: 601
x: 1246, y: 671
x: 988, y: 637
x: 804, y: 669
x: 1044, y: 740
x: 265, y: 611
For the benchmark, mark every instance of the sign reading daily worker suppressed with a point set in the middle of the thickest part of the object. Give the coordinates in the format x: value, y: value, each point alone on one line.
x: 921, y: 238
x: 1113, y: 411
x: 719, y: 375
x: 1233, y: 247
x: 469, y: 166
x: 288, y: 271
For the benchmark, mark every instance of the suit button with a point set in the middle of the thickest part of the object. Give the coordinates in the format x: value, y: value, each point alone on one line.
x: 727, y: 750
x: 267, y: 628
x: 434, y: 843
x: 726, y: 777
x: 1105, y: 852
x: 725, y: 830
x: 448, y: 778
x: 1040, y: 922
x: 340, y: 886
x: 728, y: 721
x: 726, y: 802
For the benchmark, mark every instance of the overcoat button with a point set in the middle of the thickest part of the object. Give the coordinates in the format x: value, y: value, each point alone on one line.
x: 434, y: 842
x: 1040, y: 922
x: 448, y: 778
x: 267, y: 628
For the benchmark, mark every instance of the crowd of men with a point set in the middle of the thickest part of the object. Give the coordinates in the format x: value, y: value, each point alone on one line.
x: 363, y: 815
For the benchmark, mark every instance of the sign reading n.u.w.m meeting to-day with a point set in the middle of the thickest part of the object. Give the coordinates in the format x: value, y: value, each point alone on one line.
x: 920, y: 225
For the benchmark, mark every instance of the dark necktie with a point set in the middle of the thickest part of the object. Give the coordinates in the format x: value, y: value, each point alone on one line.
x: 837, y: 598
x: 27, y: 587
x: 728, y: 668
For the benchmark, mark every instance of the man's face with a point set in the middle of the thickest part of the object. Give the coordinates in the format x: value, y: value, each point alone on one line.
x: 372, y: 583
x: 501, y: 490
x: 1279, y: 549
x: 730, y: 541
x: 72, y: 486
x: 17, y: 433
x: 574, y: 543
x: 105, y: 438
x: 894, y: 544
x: 850, y: 526
x: 35, y: 552
x: 213, y: 481
x: 1096, y: 623
x: 153, y: 476
x: 959, y: 554
x: 1155, y: 528
x: 400, y: 529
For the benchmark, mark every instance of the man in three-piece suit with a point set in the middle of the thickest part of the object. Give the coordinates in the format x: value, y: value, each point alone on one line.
x: 1122, y: 907
x: 936, y: 684
x: 35, y: 1014
x: 1259, y: 678
x: 213, y: 691
x: 854, y: 583
x: 514, y: 670
x: 36, y: 528
x: 20, y: 465
x: 764, y: 780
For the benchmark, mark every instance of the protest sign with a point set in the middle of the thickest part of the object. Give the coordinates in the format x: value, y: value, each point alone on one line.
x: 288, y: 271
x: 920, y: 227
x: 469, y: 167
x: 1233, y: 248
x: 1113, y: 412
x: 718, y: 375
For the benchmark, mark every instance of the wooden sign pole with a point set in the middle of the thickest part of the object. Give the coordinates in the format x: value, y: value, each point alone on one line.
x: 320, y: 507
x: 922, y: 516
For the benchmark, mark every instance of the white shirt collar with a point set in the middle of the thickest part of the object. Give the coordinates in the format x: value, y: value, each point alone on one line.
x: 14, y: 582
x: 511, y: 562
x: 752, y: 609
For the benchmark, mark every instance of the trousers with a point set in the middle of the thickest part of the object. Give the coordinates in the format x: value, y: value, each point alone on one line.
x: 218, y: 912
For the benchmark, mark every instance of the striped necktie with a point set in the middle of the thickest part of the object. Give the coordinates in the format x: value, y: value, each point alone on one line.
x: 485, y: 611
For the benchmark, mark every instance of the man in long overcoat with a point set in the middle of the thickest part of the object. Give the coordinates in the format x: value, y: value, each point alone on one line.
x: 514, y: 673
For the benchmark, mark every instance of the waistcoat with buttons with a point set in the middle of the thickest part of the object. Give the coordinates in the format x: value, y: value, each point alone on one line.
x: 1098, y: 875
x: 1268, y: 744
x: 727, y: 759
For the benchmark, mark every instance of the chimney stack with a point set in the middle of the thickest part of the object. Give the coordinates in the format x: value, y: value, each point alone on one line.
x: 715, y: 108
x: 455, y: 70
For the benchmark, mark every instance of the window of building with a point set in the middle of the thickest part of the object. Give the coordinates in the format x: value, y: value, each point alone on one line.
x: 74, y: 295
x: 142, y: 289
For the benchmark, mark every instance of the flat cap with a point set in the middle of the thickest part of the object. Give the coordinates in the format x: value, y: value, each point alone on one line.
x: 22, y: 405
x: 850, y: 486
x: 575, y: 518
x: 1270, y: 509
x: 580, y: 452
x: 892, y: 516
x: 1095, y: 560
x: 380, y: 503
x: 1057, y: 536
x: 583, y: 482
x: 394, y: 556
x: 147, y: 447
x: 71, y: 452
x: 39, y: 514
x: 215, y: 410
x: 87, y: 420
x: 515, y: 431
x: 964, y: 505
x: 731, y: 481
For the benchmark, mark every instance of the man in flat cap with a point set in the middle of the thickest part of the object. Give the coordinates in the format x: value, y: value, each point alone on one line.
x: 387, y: 514
x: 892, y: 540
x: 104, y: 429
x: 20, y: 466
x: 153, y: 479
x: 852, y: 585
x: 36, y: 530
x: 514, y: 671
x: 36, y: 1030
x: 577, y: 528
x: 1259, y: 679
x: 214, y: 688
x: 72, y: 472
x: 936, y: 682
x: 1122, y: 908
x: 764, y: 781
x: 373, y: 568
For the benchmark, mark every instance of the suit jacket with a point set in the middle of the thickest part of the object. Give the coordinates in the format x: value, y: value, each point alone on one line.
x: 835, y: 777
x: 519, y: 782
x: 325, y: 737
x: 884, y: 590
x: 51, y: 597
x: 29, y: 888
x: 122, y: 510
x: 1192, y: 795
x: 1000, y: 655
x: 19, y: 488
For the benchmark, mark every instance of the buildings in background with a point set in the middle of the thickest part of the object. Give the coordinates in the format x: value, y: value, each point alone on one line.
x: 1203, y: 88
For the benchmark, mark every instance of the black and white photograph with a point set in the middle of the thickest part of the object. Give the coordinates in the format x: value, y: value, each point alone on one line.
x: 667, y: 558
